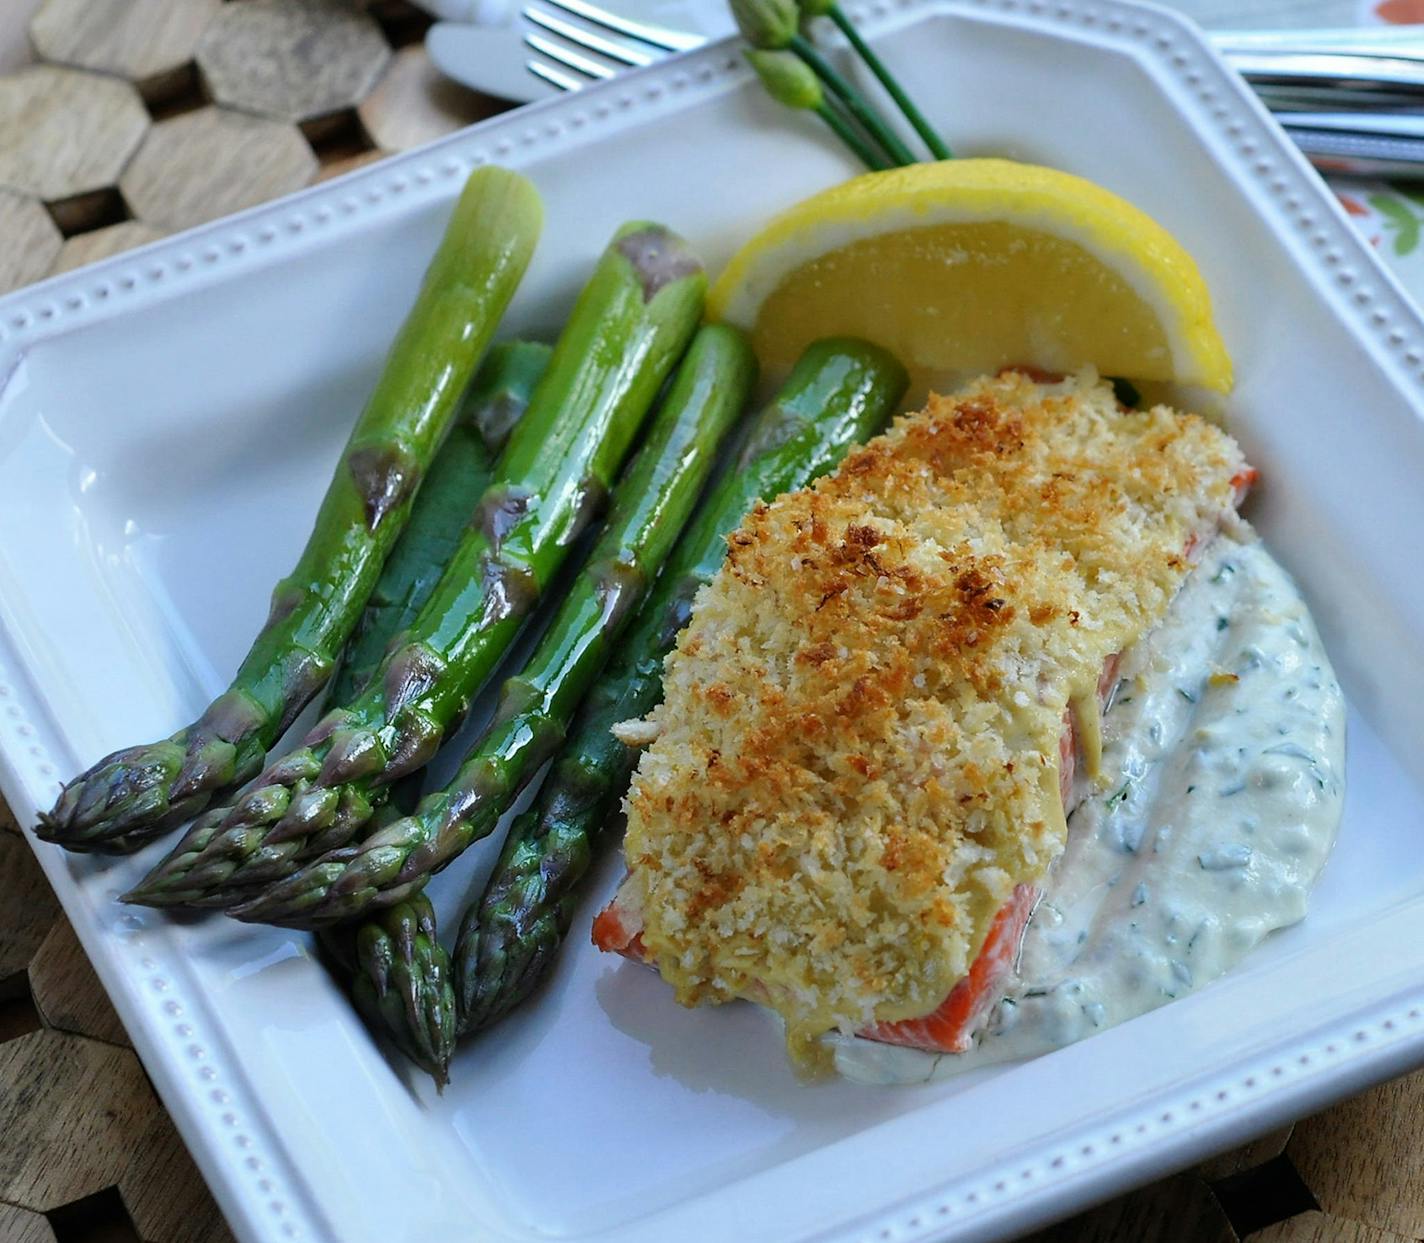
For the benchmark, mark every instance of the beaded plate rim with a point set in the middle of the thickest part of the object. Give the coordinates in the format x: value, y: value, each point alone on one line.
x: 258, y: 1183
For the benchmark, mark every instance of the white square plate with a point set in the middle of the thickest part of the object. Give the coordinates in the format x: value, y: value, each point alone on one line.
x: 168, y: 419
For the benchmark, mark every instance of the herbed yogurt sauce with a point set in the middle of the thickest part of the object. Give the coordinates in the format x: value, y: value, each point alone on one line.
x: 1224, y: 754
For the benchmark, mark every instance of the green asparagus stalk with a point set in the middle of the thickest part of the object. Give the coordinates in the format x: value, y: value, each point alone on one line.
x: 138, y: 793
x: 839, y: 393
x: 629, y: 327
x: 462, y: 471
x: 400, y: 982
x: 652, y: 503
x: 398, y: 973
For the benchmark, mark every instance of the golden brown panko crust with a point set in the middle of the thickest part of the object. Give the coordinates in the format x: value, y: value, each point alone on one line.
x: 856, y: 757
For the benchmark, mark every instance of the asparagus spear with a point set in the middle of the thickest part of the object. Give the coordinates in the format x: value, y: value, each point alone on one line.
x: 629, y: 327
x: 400, y: 982
x: 136, y: 794
x: 408, y: 995
x: 463, y: 469
x: 651, y: 504
x: 840, y: 392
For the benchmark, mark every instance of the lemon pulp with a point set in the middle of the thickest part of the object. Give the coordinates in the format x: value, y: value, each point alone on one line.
x: 965, y: 298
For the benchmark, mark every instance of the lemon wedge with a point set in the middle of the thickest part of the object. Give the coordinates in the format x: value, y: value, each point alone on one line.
x: 966, y: 266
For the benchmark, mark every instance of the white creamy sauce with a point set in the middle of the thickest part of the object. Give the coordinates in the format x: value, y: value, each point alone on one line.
x: 1223, y: 775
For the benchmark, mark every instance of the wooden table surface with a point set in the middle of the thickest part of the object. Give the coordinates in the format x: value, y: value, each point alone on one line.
x: 110, y: 113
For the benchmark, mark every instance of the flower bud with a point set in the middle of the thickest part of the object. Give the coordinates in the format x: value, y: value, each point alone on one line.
x: 767, y: 24
x: 787, y: 78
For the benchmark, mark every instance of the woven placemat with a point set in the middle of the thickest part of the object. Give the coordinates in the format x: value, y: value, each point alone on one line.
x: 124, y: 105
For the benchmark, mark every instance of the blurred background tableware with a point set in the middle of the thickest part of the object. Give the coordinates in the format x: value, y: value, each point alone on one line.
x: 1352, y: 105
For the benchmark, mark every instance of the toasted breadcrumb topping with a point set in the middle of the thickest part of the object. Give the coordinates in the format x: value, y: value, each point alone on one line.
x: 856, y: 757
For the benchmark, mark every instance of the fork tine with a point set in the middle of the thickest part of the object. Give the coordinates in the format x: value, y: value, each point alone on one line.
x: 556, y: 78
x: 658, y: 36
x: 567, y: 56
x: 587, y: 38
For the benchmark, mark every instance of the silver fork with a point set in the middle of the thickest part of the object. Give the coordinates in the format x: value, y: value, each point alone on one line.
x: 641, y: 44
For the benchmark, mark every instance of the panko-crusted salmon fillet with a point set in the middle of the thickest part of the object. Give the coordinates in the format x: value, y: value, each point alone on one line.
x: 862, y: 766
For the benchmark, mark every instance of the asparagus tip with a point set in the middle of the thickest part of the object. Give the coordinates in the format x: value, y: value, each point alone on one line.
x: 144, y: 894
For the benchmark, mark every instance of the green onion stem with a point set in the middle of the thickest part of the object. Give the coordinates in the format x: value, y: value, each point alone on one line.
x: 846, y: 131
x: 933, y: 141
x: 855, y: 103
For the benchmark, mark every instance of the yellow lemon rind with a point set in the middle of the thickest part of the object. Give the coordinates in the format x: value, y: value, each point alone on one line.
x: 1108, y: 227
